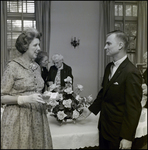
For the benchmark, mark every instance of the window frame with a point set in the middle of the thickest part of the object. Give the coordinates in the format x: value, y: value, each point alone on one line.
x: 128, y: 19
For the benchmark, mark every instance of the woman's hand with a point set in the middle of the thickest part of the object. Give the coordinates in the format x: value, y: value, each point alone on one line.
x: 33, y: 98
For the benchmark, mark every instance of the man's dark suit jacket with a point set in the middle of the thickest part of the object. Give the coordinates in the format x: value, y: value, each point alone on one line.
x: 65, y: 72
x: 119, y: 102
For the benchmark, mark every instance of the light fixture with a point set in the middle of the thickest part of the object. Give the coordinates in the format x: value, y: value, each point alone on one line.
x: 75, y: 42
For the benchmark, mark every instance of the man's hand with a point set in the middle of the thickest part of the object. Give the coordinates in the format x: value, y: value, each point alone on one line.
x: 125, y: 144
x: 86, y: 112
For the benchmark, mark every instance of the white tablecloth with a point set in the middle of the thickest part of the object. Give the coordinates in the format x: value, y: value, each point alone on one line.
x: 83, y: 133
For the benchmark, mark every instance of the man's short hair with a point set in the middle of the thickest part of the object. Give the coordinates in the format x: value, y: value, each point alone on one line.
x: 122, y: 36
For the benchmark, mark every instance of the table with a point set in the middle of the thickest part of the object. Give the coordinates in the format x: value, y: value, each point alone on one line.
x: 70, y: 135
x: 84, y: 133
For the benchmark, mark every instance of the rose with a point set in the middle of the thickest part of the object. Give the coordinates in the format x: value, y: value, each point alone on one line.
x: 53, y: 103
x: 47, y: 94
x: 75, y: 114
x: 68, y: 79
x: 80, y: 87
x: 67, y: 103
x: 61, y: 115
x: 68, y: 90
x: 78, y: 98
x: 61, y: 97
x: 52, y: 87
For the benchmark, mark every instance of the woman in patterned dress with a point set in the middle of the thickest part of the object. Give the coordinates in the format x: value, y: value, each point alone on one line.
x: 24, y: 122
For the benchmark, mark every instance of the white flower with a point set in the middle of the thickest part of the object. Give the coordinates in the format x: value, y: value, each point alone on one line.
x: 68, y: 90
x: 61, y: 96
x: 68, y: 79
x: 61, y: 115
x: 67, y: 103
x: 75, y: 114
x: 47, y: 94
x: 52, y: 87
x: 78, y: 98
x: 53, y: 102
x: 80, y: 87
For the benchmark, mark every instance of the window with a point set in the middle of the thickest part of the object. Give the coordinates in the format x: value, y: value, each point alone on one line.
x: 126, y: 20
x: 20, y: 15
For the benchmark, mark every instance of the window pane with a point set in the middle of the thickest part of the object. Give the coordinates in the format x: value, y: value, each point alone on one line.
x: 20, y: 6
x: 8, y: 6
x: 13, y: 6
x: 29, y: 23
x: 132, y: 42
x: 120, y: 10
x: 14, y: 37
x: 131, y: 29
x: 128, y: 10
x: 30, y: 7
x: 16, y: 25
x: 116, y: 10
x: 9, y: 39
x: 119, y: 26
x: 24, y: 6
x: 9, y: 25
x: 134, y: 10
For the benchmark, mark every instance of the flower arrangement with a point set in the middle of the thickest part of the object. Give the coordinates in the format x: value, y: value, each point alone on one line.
x: 64, y: 103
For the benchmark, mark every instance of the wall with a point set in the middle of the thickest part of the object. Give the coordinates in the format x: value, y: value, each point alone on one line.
x: 78, y: 19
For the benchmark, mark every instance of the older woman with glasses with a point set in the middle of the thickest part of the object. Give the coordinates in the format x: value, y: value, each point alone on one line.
x: 59, y: 71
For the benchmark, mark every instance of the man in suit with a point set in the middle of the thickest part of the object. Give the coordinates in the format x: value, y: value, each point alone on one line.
x: 119, y: 99
x: 59, y: 71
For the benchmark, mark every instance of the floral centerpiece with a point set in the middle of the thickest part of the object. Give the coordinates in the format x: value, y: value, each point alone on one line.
x: 66, y: 103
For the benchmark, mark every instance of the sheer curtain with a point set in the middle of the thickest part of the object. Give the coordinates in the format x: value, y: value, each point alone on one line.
x: 43, y: 22
x: 142, y: 30
x: 106, y: 24
x: 4, y: 51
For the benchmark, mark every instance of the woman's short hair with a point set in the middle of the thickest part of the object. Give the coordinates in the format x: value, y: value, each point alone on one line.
x: 40, y: 56
x: 57, y: 57
x: 25, y: 38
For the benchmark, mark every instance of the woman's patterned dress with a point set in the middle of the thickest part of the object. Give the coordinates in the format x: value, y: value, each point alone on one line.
x: 26, y: 126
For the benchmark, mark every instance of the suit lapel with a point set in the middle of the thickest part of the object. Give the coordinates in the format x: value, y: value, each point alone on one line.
x: 115, y: 76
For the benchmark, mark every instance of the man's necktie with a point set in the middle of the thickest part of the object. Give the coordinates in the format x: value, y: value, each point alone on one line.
x: 112, y: 70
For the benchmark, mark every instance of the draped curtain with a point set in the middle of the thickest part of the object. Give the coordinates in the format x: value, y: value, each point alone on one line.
x: 106, y: 24
x: 42, y: 14
x: 142, y: 30
x: 4, y: 51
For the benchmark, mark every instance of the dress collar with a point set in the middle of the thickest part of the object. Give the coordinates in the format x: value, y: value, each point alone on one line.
x: 25, y: 64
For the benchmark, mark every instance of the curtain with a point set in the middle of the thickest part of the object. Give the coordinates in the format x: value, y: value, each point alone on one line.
x: 106, y: 24
x: 4, y: 51
x: 142, y: 30
x: 42, y: 13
